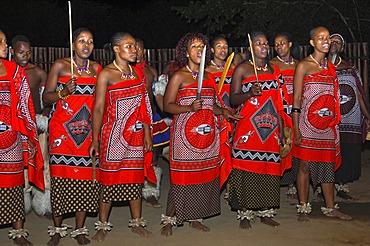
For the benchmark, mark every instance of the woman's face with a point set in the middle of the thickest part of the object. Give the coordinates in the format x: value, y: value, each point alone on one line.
x: 194, y: 51
x: 220, y: 49
x: 126, y: 49
x: 83, y: 45
x: 3, y: 46
x: 282, y: 46
x: 260, y: 46
x: 321, y: 40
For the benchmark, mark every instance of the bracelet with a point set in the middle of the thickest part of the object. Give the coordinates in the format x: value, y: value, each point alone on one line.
x: 60, y: 94
x: 296, y: 110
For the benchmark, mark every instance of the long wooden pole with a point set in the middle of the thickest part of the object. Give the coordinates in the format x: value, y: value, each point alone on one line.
x: 70, y: 34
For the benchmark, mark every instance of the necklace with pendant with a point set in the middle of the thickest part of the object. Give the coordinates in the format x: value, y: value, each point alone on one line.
x: 124, y: 76
x: 193, y: 73
x: 259, y: 68
x: 321, y: 66
x: 286, y: 62
x: 218, y: 67
x: 80, y: 70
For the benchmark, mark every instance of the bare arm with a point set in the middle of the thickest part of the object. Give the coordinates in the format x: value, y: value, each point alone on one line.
x: 299, y: 74
x: 98, y: 111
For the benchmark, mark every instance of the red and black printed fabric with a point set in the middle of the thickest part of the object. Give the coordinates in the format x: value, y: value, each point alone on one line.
x: 17, y: 125
x: 127, y: 108
x: 195, y: 138
x: 70, y: 131
x: 225, y: 90
x: 319, y: 118
x: 256, y: 139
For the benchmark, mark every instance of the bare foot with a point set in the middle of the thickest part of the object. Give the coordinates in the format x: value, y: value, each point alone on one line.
x: 54, y: 240
x: 338, y: 214
x: 99, y: 236
x: 82, y: 240
x: 199, y: 226
x: 141, y: 231
x: 151, y: 201
x: 303, y: 217
x: 269, y: 221
x: 245, y: 224
x: 22, y: 241
x: 166, y: 230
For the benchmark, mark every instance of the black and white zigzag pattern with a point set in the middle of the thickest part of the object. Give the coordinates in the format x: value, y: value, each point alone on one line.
x: 70, y: 160
x: 254, y: 155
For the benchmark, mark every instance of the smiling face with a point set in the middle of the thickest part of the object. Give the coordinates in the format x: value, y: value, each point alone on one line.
x: 22, y: 53
x: 321, y: 40
x: 194, y: 51
x: 83, y: 45
x: 282, y: 46
x: 126, y: 49
x: 220, y: 49
x: 3, y: 46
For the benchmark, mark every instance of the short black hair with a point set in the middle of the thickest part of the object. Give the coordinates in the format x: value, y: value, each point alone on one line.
x: 20, y: 38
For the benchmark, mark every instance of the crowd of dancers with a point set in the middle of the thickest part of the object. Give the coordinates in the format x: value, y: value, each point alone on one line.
x: 82, y: 136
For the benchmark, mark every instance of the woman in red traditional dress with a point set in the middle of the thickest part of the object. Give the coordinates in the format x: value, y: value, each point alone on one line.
x: 71, y: 94
x: 19, y: 145
x: 195, y: 140
x: 316, y: 115
x: 287, y: 58
x: 121, y: 123
x: 255, y: 178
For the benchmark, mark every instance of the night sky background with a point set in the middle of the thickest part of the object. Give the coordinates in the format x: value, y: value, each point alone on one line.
x: 156, y: 22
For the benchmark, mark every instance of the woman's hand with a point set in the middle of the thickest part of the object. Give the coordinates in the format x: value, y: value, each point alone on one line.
x: 230, y: 116
x: 297, y: 136
x: 94, y: 149
x: 70, y: 86
x: 196, y: 105
x: 148, y: 143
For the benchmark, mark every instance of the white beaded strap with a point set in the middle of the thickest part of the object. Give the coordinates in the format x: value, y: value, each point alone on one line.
x: 305, y: 208
x: 291, y: 191
x: 137, y: 222
x: 342, y: 187
x: 248, y: 214
x: 106, y: 226
x: 326, y: 210
x: 18, y: 233
x: 198, y: 220
x: 267, y: 213
x: 80, y: 231
x: 62, y: 231
x: 165, y: 220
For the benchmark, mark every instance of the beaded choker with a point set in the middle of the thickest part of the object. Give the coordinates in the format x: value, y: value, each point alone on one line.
x: 219, y: 67
x: 80, y: 70
x: 339, y: 62
x: 193, y: 73
x: 259, y: 68
x: 124, y: 76
x: 321, y: 66
x: 286, y: 62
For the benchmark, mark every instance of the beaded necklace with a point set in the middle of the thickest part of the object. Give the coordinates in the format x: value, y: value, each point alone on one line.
x: 340, y: 61
x: 193, y: 73
x: 219, y: 67
x: 124, y: 76
x: 286, y: 62
x: 321, y: 66
x: 259, y: 68
x: 80, y: 70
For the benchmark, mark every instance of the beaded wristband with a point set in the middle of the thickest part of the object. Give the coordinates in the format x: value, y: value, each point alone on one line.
x: 296, y: 110
x: 60, y: 94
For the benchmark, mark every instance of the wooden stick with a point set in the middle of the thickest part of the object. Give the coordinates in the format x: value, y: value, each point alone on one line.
x: 70, y: 34
x: 254, y: 62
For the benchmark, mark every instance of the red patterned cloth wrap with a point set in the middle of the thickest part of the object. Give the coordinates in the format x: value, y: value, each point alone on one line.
x: 319, y: 118
x: 225, y: 90
x: 256, y: 139
x: 287, y: 92
x: 195, y: 154
x: 17, y: 125
x: 70, y: 131
x: 122, y: 158
x: 351, y: 126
